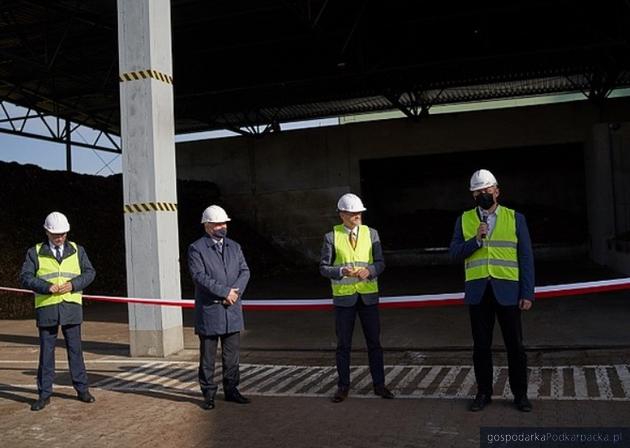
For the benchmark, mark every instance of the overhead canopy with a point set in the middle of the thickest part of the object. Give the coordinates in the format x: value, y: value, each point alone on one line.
x: 249, y: 63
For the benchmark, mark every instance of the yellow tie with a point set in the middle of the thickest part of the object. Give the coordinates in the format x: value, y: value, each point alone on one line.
x: 353, y: 240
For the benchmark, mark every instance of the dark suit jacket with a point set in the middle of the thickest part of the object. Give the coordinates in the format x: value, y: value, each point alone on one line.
x: 507, y: 292
x: 213, y: 276
x: 64, y: 313
x: 327, y: 269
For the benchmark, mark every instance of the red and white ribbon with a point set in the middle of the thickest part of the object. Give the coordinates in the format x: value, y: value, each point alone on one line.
x: 410, y: 301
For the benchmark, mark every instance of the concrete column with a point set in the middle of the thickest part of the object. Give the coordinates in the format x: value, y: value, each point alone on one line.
x: 599, y: 192
x: 149, y: 178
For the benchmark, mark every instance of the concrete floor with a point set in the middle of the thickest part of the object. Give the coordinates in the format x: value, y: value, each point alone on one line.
x: 578, y: 331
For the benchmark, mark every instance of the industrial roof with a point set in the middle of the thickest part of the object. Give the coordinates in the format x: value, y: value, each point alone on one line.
x: 239, y: 64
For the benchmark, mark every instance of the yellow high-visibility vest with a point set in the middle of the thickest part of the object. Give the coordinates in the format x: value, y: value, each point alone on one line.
x: 58, y: 273
x: 497, y: 257
x: 345, y: 255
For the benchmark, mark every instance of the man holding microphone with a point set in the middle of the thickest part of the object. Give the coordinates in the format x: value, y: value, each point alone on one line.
x: 494, y: 242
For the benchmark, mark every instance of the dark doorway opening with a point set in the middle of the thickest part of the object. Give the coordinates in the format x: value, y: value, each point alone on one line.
x: 414, y: 201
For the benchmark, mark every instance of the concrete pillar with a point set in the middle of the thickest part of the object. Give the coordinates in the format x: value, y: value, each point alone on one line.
x: 599, y: 192
x: 149, y: 178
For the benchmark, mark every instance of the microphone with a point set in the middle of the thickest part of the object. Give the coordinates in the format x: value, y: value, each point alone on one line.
x: 484, y: 219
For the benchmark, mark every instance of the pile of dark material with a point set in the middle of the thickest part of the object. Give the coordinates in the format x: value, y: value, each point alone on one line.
x: 94, y: 206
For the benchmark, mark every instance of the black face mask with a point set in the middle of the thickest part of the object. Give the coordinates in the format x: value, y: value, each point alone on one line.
x: 485, y: 200
x: 219, y: 234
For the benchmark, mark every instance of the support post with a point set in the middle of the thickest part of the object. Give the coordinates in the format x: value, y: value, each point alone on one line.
x: 149, y: 177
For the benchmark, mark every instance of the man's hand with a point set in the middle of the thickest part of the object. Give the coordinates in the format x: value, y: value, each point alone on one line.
x: 348, y: 271
x: 525, y: 304
x: 363, y: 273
x: 65, y: 288
x: 60, y: 289
x: 232, y: 296
x: 482, y: 231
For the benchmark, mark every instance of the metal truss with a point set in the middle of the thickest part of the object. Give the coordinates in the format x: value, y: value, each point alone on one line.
x: 44, y: 72
x: 258, y: 123
x: 414, y: 103
x: 598, y: 84
x: 595, y: 84
x: 39, y: 125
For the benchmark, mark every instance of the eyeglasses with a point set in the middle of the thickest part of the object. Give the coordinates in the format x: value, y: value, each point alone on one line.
x: 484, y: 190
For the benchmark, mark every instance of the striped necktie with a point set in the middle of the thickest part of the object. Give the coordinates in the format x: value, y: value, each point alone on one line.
x: 353, y: 240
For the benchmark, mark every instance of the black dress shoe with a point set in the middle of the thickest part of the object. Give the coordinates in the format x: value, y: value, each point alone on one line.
x: 236, y: 397
x: 383, y: 392
x: 40, y: 404
x: 340, y: 395
x: 208, y: 403
x: 480, y: 402
x: 86, y: 397
x: 523, y: 404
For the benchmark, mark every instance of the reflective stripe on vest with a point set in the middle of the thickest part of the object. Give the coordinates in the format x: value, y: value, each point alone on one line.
x: 345, y: 255
x: 57, y: 273
x: 497, y: 257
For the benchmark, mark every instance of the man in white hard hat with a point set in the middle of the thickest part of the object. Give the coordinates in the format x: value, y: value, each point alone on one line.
x: 57, y: 271
x: 352, y: 258
x: 220, y: 274
x: 499, y: 266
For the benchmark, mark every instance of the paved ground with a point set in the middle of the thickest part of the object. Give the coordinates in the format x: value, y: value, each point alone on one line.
x: 156, y: 419
x: 579, y: 357
x: 156, y: 403
x: 592, y: 382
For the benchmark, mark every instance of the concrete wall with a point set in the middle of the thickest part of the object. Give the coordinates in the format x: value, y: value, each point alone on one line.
x: 287, y: 185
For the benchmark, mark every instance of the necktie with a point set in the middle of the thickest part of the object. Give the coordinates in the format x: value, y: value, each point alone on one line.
x: 58, y: 253
x: 220, y: 247
x: 353, y: 240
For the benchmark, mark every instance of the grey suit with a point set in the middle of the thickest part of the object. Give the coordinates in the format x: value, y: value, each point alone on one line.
x: 214, y: 273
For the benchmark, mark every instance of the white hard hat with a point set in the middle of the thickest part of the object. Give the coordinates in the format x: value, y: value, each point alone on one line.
x: 482, y: 179
x: 350, y: 203
x: 57, y: 223
x: 214, y: 214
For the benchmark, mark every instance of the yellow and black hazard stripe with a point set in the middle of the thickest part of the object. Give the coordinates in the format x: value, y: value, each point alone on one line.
x: 145, y: 74
x: 143, y: 207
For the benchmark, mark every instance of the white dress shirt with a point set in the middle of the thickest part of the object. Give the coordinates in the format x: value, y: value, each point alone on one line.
x: 53, y: 249
x: 491, y: 220
x: 355, y: 231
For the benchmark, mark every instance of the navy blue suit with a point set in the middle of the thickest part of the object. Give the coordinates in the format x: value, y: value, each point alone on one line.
x: 489, y: 298
x: 506, y: 292
x: 215, y: 271
x: 348, y: 307
x: 214, y: 274
x: 65, y: 314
